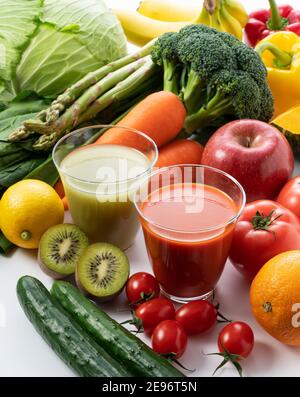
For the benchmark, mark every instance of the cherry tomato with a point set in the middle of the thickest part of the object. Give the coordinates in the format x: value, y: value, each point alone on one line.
x: 169, y: 339
x: 149, y: 314
x: 140, y: 287
x: 236, y: 338
x: 289, y: 196
x: 197, y: 317
x: 264, y: 230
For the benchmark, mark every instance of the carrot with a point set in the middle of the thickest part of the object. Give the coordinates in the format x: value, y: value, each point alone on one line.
x: 160, y: 116
x: 65, y: 203
x: 182, y: 151
x: 59, y: 188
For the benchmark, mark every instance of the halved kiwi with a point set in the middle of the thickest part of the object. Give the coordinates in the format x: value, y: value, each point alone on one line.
x: 60, y: 248
x: 102, y: 271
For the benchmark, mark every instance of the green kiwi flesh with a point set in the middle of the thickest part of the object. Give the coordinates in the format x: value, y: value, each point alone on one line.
x: 102, y: 271
x: 60, y: 248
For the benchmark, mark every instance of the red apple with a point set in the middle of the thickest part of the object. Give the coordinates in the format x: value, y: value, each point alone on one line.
x: 253, y: 152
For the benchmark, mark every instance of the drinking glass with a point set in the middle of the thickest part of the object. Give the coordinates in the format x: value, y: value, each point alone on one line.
x: 188, y: 214
x: 100, y: 178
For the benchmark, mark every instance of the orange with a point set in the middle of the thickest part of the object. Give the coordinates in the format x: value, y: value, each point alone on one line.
x: 275, y: 297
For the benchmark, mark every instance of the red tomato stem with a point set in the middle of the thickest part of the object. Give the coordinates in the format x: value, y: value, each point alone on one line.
x: 228, y: 358
x: 144, y: 298
x: 172, y: 357
x: 136, y: 321
x: 222, y: 319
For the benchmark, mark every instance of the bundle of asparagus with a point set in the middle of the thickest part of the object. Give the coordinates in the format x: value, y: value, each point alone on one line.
x: 113, y: 88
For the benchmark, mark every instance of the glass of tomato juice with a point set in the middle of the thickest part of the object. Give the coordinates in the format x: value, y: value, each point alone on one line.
x: 188, y: 214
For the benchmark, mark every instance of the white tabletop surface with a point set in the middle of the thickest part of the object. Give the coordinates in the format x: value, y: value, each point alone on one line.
x: 24, y: 353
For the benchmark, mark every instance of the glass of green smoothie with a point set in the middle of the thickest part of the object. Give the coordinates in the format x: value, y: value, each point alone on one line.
x: 100, y: 177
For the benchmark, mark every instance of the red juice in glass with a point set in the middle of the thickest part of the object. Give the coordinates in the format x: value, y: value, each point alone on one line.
x: 188, y: 228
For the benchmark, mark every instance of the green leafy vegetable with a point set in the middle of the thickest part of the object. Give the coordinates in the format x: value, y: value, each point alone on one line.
x: 16, y: 159
x: 15, y: 172
x: 45, y: 46
x: 5, y: 245
x: 11, y: 118
x: 19, y: 108
x: 46, y: 172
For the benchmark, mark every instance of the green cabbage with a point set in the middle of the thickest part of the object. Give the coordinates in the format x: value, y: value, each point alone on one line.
x: 47, y: 45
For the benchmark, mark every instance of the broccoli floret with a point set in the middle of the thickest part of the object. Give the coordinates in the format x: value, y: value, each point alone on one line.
x: 229, y: 39
x: 267, y: 103
x: 250, y: 62
x: 218, y: 77
x: 202, y: 55
x: 230, y: 93
x: 164, y: 54
x: 247, y: 60
x: 198, y: 29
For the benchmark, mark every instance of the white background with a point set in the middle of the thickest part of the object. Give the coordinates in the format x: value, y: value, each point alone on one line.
x: 24, y: 353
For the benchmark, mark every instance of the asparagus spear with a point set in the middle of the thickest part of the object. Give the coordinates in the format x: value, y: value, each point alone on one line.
x: 124, y: 89
x: 73, y: 92
x: 147, y: 74
x: 69, y: 118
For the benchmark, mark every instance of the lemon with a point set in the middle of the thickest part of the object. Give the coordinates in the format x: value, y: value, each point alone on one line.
x: 27, y: 209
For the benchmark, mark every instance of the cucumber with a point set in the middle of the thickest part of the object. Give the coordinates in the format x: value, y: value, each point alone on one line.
x: 70, y: 342
x: 115, y: 339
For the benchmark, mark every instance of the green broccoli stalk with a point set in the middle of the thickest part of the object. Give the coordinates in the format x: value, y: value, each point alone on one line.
x: 220, y: 77
x: 229, y: 94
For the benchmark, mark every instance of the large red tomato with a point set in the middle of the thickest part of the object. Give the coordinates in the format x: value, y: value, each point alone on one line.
x: 264, y: 230
x: 289, y: 196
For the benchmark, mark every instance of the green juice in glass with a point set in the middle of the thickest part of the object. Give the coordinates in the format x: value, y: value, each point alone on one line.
x: 99, y: 182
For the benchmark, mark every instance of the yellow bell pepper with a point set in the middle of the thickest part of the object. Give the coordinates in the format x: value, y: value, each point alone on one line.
x: 280, y: 52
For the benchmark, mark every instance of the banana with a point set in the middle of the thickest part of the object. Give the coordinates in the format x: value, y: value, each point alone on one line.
x: 224, y: 15
x: 214, y: 23
x: 237, y: 11
x: 230, y: 24
x: 211, y: 19
x: 205, y: 18
x: 178, y: 10
x: 170, y: 10
x: 221, y: 20
x: 140, y: 29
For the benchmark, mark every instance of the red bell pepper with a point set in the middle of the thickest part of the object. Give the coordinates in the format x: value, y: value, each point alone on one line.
x: 262, y: 23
